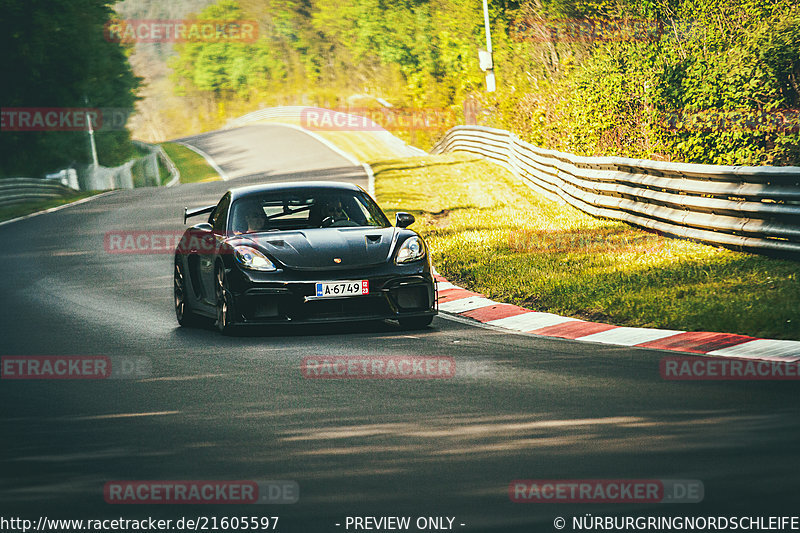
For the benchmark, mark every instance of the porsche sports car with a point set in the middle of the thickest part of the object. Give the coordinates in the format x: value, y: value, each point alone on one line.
x: 303, y: 252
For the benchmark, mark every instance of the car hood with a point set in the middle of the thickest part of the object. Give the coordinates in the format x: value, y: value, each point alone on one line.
x: 320, y: 247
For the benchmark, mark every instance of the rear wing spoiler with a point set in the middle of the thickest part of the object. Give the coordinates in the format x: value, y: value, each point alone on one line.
x: 188, y: 213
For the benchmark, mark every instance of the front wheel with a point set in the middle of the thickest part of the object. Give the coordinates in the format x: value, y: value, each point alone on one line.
x: 224, y: 301
x: 416, y: 322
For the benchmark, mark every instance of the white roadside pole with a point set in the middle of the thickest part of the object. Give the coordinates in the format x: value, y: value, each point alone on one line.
x: 91, y: 139
x: 485, y: 56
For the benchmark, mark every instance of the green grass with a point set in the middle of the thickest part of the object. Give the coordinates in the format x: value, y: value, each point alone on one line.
x: 492, y: 234
x: 163, y: 172
x: 26, y: 208
x: 192, y: 166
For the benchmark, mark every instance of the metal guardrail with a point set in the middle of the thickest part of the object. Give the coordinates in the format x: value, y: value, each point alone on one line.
x: 157, y: 152
x: 140, y: 172
x: 19, y: 190
x: 750, y: 208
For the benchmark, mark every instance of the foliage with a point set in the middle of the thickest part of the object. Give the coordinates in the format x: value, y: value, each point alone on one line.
x: 55, y: 56
x: 654, y: 94
x: 711, y: 88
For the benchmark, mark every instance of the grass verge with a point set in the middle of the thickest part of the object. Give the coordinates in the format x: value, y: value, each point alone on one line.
x: 492, y: 234
x: 26, y: 208
x: 192, y: 166
x: 363, y: 145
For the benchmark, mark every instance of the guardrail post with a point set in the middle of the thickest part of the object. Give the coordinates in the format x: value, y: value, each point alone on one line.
x: 512, y: 146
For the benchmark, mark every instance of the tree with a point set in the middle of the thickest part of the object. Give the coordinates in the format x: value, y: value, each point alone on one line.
x: 55, y: 55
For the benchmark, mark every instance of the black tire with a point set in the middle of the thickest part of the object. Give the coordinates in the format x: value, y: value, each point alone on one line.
x: 183, y: 313
x: 224, y: 299
x: 416, y: 322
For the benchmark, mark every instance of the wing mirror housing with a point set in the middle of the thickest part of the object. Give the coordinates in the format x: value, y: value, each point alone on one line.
x: 404, y: 220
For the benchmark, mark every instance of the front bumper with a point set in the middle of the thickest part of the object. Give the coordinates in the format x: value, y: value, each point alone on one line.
x: 285, y: 296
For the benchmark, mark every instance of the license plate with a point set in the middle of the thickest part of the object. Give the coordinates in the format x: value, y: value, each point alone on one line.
x: 333, y: 289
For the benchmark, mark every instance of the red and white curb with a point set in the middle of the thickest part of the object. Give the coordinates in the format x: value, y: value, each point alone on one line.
x: 459, y: 301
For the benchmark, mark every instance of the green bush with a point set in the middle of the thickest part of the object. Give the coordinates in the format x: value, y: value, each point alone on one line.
x: 702, y: 82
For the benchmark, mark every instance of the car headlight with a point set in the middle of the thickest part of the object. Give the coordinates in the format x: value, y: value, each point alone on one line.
x: 253, y: 259
x: 413, y: 249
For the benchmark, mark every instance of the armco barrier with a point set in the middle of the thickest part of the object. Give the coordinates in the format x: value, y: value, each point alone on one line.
x: 150, y: 163
x: 143, y: 171
x: 750, y: 208
x: 140, y: 172
x: 19, y: 190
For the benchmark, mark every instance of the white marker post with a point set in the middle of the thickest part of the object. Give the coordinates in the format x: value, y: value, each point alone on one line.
x: 486, y: 60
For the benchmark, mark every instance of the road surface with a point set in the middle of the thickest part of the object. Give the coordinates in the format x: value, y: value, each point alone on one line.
x: 238, y: 408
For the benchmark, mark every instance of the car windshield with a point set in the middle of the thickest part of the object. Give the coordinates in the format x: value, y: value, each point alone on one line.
x: 293, y: 210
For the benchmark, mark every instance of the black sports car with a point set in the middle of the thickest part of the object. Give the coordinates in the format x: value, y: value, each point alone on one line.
x: 302, y: 253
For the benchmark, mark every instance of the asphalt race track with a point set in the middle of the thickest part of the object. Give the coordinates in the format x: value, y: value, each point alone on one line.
x: 238, y: 408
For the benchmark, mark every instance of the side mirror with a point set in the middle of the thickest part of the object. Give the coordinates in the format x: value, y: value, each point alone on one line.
x: 404, y: 220
x: 205, y: 226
